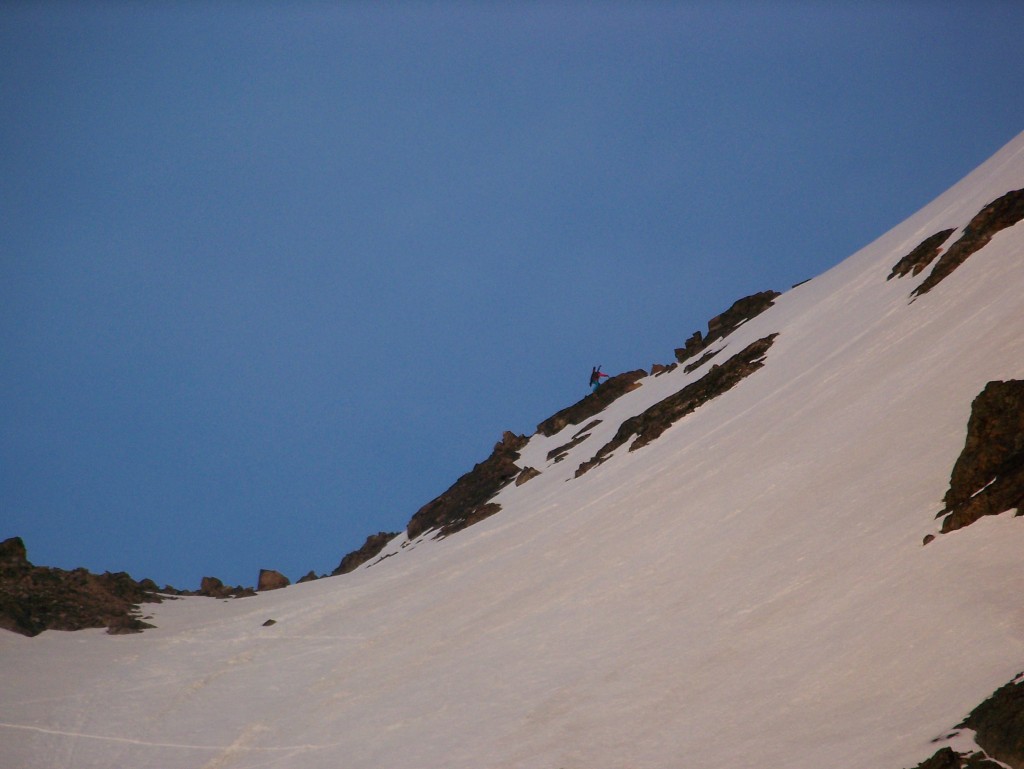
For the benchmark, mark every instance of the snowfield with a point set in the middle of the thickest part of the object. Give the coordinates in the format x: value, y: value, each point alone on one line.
x: 750, y: 589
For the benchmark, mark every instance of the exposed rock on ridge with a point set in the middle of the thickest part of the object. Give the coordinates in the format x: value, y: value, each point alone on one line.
x: 649, y: 425
x: 1001, y: 213
x: 988, y: 477
x: 373, y: 545
x: 213, y: 587
x: 923, y: 255
x: 998, y: 724
x: 466, y: 501
x: 271, y: 580
x: 722, y: 325
x: 593, y: 404
x: 38, y: 598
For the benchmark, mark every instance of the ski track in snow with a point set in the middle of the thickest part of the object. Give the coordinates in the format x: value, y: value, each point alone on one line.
x: 237, y: 746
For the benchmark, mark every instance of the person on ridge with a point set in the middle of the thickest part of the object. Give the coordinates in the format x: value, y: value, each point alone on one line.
x: 595, y: 377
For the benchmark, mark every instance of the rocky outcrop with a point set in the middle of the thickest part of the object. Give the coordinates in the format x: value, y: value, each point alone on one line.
x: 467, y: 500
x: 596, y: 402
x: 988, y: 477
x: 998, y: 725
x: 212, y: 587
x: 370, y: 549
x: 527, y: 474
x: 722, y: 325
x: 1001, y: 213
x: 649, y: 425
x: 37, y: 598
x: 923, y: 255
x: 947, y: 758
x: 271, y: 580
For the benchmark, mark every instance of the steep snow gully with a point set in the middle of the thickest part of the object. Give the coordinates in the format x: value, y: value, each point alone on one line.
x: 757, y: 568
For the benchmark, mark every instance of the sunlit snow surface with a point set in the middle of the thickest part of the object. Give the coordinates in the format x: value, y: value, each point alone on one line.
x: 750, y: 589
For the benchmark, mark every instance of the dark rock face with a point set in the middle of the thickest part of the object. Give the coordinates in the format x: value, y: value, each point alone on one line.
x: 988, y: 477
x: 997, y: 215
x: 923, y: 255
x: 999, y: 724
x: 722, y: 325
x: 947, y: 758
x: 271, y: 580
x: 38, y: 598
x: 465, y: 502
x: 649, y: 425
x: 593, y: 404
x: 373, y: 545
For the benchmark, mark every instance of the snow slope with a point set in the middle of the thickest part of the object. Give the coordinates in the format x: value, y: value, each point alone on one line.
x: 749, y: 589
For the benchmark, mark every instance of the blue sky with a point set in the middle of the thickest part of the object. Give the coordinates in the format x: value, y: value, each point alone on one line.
x: 273, y: 275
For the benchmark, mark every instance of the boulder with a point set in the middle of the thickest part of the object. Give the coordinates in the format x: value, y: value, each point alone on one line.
x: 271, y: 580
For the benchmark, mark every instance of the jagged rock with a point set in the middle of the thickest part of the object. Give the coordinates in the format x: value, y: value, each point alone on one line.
x: 38, y: 598
x: 558, y: 453
x: 528, y: 474
x: 947, y: 758
x: 1001, y: 213
x: 465, y: 501
x: 722, y: 325
x: 692, y: 346
x: 988, y: 477
x: 922, y: 255
x: 211, y: 587
x: 999, y: 724
x: 944, y: 758
x: 373, y: 545
x: 655, y: 420
x: 13, y: 556
x: 271, y: 580
x: 691, y: 367
x: 310, y: 577
x: 127, y: 624
x: 657, y: 369
x: 593, y: 404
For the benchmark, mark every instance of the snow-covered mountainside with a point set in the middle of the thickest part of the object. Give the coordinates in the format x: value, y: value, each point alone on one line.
x: 732, y: 575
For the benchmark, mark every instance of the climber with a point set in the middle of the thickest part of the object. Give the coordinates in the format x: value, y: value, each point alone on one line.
x: 595, y: 377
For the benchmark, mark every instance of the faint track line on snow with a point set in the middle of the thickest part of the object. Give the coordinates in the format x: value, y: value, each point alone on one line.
x: 148, y: 744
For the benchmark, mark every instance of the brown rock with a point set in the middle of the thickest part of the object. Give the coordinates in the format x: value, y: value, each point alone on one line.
x: 528, y: 474
x: 1001, y: 213
x: 922, y: 255
x: 38, y: 598
x: 271, y: 580
x: 373, y: 545
x: 467, y: 500
x: 988, y: 477
x: 722, y: 325
x: 593, y: 404
x: 649, y: 425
